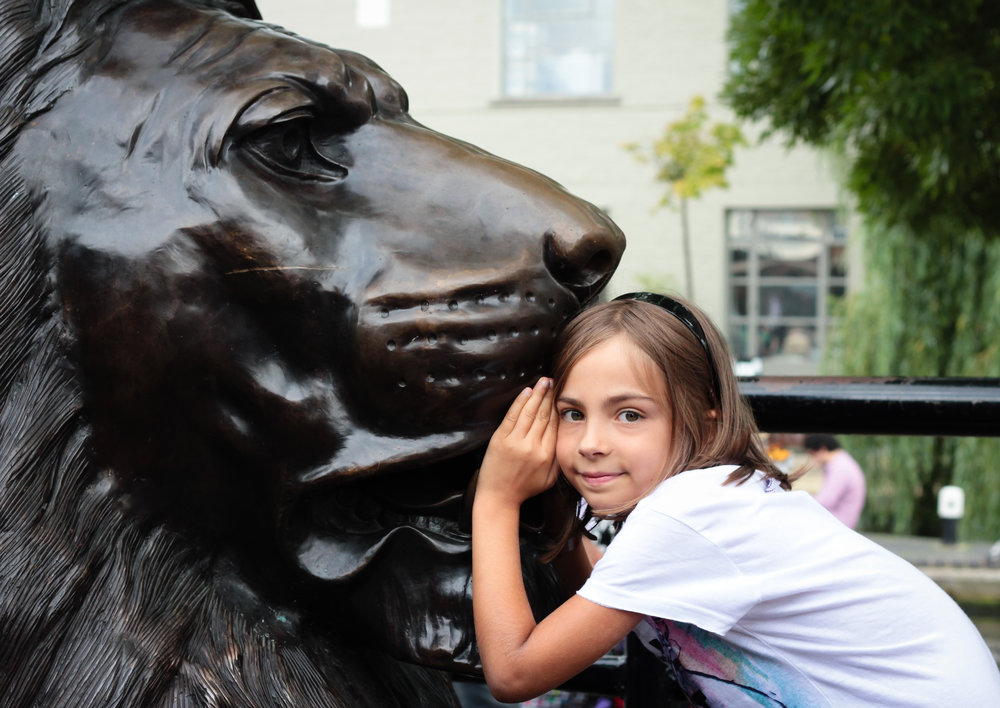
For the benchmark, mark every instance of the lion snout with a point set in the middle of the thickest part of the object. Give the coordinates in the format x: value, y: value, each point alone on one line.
x: 583, y: 263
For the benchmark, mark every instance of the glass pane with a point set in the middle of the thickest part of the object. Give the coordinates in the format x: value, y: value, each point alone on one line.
x: 558, y: 47
x: 738, y: 341
x: 788, y: 351
x: 777, y: 301
x: 738, y: 305
x: 739, y: 224
x: 790, y: 341
x: 838, y: 261
x: 770, y: 340
x: 793, y: 224
x: 798, y: 259
x: 739, y: 262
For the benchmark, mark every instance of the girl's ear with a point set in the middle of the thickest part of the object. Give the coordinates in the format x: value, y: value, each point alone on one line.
x: 712, y: 414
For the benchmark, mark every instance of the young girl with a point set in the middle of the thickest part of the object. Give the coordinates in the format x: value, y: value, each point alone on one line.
x: 751, y: 594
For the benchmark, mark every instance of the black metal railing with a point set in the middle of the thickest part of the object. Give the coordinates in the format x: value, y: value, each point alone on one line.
x: 875, y: 406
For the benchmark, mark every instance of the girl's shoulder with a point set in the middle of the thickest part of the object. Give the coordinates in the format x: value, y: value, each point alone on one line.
x: 708, y: 478
x: 704, y: 488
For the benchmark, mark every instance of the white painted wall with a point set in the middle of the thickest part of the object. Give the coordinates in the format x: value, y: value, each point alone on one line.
x: 447, y: 55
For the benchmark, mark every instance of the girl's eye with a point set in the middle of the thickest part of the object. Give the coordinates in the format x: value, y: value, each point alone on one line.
x: 630, y: 416
x: 571, y: 415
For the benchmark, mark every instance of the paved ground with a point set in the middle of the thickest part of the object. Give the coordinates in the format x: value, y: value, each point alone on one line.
x: 923, y: 551
x: 964, y: 570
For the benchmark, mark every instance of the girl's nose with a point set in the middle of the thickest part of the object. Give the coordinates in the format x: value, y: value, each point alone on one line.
x: 593, y: 442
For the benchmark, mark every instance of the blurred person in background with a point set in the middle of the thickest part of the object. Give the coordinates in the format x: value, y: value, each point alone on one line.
x: 843, y: 489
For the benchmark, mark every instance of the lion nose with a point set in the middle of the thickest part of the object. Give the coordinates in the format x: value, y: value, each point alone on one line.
x: 583, y: 259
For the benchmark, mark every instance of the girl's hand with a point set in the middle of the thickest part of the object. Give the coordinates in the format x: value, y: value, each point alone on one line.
x: 520, y: 460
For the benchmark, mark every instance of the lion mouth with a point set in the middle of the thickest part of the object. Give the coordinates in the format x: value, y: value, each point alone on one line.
x: 470, y: 342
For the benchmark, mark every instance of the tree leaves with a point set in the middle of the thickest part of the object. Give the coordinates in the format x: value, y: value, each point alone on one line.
x: 690, y: 157
x: 911, y: 90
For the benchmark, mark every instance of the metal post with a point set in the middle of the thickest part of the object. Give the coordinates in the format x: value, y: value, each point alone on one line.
x: 951, y: 507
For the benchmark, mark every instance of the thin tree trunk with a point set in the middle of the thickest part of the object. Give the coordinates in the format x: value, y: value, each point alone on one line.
x: 686, y: 245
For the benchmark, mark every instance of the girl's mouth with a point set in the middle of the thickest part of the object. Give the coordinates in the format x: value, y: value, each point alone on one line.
x: 597, y: 479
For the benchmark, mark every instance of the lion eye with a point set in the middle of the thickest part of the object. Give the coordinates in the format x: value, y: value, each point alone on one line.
x: 286, y: 147
x: 292, y: 144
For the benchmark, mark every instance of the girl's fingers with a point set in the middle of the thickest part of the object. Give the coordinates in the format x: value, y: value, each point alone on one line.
x: 514, y: 412
x: 549, y: 438
x: 547, y: 407
x: 549, y: 417
x: 533, y: 409
x: 551, y: 423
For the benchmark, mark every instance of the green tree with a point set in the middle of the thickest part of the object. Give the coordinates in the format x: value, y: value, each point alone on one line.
x: 908, y: 90
x: 907, y: 94
x: 691, y: 157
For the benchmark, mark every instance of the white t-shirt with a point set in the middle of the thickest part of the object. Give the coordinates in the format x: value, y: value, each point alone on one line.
x: 756, y: 596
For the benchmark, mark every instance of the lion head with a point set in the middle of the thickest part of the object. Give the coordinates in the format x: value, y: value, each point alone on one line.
x: 257, y: 325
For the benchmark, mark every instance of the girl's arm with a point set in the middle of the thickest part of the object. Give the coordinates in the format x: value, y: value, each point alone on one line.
x: 574, y: 565
x: 522, y: 659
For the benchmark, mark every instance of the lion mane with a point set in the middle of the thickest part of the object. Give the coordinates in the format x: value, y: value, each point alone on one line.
x: 256, y: 326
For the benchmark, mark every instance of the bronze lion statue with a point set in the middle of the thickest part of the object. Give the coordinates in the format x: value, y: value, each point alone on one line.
x: 256, y: 327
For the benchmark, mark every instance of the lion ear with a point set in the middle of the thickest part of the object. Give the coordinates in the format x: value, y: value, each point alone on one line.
x: 240, y: 8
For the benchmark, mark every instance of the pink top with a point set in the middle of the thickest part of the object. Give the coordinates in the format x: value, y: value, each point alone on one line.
x: 843, y: 490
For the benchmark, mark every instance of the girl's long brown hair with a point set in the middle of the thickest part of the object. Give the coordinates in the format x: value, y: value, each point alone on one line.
x: 705, y: 432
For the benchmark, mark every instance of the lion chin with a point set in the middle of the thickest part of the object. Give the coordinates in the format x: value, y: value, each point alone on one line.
x: 257, y: 327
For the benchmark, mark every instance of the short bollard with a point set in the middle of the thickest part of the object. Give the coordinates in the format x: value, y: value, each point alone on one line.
x: 951, y: 506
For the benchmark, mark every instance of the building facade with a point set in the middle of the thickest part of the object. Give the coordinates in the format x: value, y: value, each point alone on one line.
x: 562, y: 85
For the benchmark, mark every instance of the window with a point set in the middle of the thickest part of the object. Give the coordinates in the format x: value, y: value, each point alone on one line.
x: 784, y: 268
x: 557, y: 48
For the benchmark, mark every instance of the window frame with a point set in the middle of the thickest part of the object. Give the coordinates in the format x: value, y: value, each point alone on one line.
x: 753, y: 241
